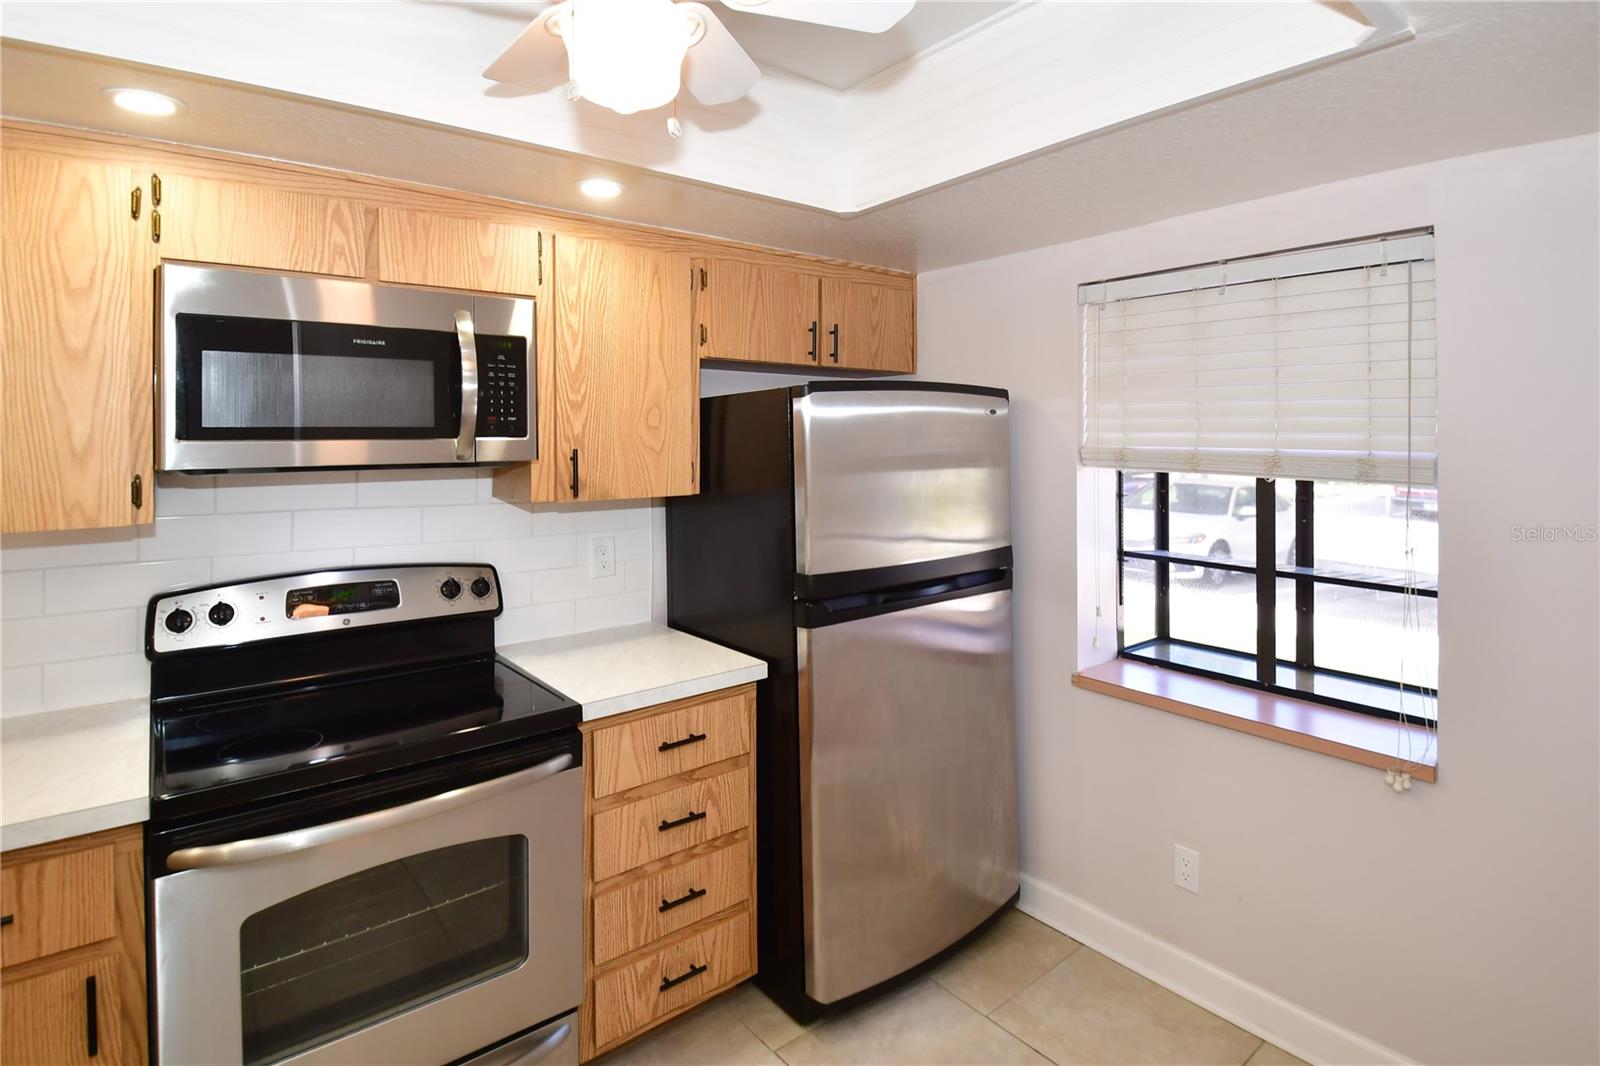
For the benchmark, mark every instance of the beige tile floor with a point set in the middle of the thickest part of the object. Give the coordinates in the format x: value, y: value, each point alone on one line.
x: 1021, y: 993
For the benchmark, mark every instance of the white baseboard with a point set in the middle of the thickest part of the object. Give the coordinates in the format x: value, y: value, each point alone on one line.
x: 1249, y: 1006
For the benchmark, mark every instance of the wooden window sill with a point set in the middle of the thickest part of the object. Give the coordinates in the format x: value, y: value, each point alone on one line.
x: 1348, y: 735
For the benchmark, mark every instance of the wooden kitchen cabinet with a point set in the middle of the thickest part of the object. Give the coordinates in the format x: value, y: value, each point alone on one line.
x: 459, y: 252
x: 76, y: 448
x: 72, y: 952
x: 756, y: 312
x: 869, y: 325
x: 669, y: 862
x: 625, y: 383
x: 241, y: 222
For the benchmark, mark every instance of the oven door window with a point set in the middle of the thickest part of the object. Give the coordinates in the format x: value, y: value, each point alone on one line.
x: 367, y: 947
x: 273, y: 379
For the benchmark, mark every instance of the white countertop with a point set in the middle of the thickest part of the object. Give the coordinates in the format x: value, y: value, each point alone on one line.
x: 612, y: 671
x: 63, y: 773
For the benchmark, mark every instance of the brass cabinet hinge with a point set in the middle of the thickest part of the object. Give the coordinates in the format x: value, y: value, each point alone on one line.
x: 155, y: 190
x: 155, y: 227
x: 136, y: 491
x: 541, y: 259
x: 702, y: 278
x: 138, y: 194
x: 702, y: 334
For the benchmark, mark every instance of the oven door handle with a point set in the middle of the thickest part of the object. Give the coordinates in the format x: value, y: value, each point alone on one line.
x: 467, y: 438
x: 211, y: 856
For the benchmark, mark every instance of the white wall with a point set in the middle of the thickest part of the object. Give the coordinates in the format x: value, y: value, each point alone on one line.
x: 72, y: 604
x: 1456, y: 923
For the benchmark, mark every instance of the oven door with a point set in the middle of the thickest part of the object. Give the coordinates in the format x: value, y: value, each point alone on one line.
x: 414, y: 933
x: 262, y: 371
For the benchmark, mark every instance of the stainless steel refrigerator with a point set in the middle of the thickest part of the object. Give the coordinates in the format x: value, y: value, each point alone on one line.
x: 857, y: 536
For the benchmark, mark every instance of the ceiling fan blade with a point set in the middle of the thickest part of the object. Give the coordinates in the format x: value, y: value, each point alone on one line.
x: 866, y: 16
x: 716, y: 70
x: 537, y: 57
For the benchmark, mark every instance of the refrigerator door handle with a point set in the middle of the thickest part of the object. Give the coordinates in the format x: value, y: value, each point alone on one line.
x: 816, y: 613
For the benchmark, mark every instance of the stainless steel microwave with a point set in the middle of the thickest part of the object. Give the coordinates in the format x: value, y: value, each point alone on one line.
x: 259, y: 371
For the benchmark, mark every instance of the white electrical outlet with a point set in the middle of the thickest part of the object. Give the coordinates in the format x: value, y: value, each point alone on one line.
x: 1186, y: 868
x: 602, y: 556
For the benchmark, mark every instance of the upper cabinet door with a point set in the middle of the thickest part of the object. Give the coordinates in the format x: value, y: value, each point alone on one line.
x: 626, y: 380
x: 253, y: 224
x: 457, y: 252
x: 869, y: 325
x: 76, y: 354
x: 749, y: 312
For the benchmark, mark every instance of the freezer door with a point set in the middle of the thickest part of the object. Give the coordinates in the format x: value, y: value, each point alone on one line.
x: 885, y: 478
x: 908, y: 786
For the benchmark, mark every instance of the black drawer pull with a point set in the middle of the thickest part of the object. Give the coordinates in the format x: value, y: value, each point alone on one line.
x: 693, y: 971
x: 692, y: 894
x: 692, y: 738
x: 692, y: 816
x: 7, y: 919
x: 92, y: 1011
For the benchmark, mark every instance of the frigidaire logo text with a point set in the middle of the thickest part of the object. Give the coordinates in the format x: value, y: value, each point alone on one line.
x: 368, y: 340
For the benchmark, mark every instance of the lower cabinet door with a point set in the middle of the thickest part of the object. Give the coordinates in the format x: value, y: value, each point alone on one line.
x: 65, y: 1017
x: 631, y: 997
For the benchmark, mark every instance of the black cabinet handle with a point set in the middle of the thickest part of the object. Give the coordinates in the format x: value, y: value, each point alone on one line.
x: 692, y: 971
x: 7, y: 919
x: 574, y: 473
x: 813, y: 352
x: 692, y: 738
x: 692, y: 816
x: 834, y: 333
x: 92, y: 1016
x: 687, y: 897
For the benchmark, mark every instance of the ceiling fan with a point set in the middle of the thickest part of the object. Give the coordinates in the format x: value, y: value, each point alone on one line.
x: 635, y: 55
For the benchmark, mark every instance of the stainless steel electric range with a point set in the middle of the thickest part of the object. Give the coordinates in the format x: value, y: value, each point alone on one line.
x: 365, y: 836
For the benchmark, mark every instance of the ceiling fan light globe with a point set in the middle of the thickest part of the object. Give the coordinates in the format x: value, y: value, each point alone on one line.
x: 626, y: 54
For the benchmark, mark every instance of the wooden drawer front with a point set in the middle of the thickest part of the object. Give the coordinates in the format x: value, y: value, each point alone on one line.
x: 631, y: 754
x: 630, y: 917
x: 47, y: 1019
x: 57, y: 903
x: 632, y: 834
x: 631, y: 997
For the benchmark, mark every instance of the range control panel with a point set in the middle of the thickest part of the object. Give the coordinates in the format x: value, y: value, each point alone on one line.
x: 287, y: 605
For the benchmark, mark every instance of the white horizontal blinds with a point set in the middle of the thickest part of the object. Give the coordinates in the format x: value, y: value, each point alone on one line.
x: 1329, y: 374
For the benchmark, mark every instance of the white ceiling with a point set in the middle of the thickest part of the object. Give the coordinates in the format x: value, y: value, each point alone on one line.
x: 841, y: 59
x: 1478, y: 76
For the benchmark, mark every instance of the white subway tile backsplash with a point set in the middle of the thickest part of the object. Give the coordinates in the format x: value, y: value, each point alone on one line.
x: 303, y: 490
x: 56, y: 637
x: 240, y: 567
x: 86, y: 681
x: 364, y: 527
x: 183, y: 494
x: 416, y: 488
x: 603, y: 612
x: 187, y: 536
x: 40, y: 551
x: 99, y: 588
x: 72, y: 604
x: 477, y: 521
x: 21, y: 690
x: 21, y: 593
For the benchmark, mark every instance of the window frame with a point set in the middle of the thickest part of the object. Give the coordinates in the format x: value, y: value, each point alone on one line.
x: 1269, y: 669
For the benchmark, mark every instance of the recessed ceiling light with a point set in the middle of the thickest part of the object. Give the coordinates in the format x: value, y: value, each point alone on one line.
x: 600, y: 188
x: 144, y: 102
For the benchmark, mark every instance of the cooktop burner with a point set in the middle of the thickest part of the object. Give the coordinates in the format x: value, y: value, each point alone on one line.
x: 269, y: 745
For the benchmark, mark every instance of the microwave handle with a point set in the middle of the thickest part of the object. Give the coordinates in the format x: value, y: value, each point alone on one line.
x: 467, y: 439
x: 240, y: 851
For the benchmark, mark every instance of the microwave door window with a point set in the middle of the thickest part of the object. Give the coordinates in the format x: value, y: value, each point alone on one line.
x: 269, y: 379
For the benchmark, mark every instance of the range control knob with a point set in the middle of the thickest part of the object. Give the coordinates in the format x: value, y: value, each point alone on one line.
x: 179, y: 621
x: 449, y: 588
x: 481, y: 587
x: 220, y: 614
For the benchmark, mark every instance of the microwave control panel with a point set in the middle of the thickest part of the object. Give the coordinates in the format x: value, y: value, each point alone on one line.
x: 502, y: 386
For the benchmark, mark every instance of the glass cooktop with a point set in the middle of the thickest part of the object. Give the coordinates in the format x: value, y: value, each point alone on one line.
x: 309, y: 735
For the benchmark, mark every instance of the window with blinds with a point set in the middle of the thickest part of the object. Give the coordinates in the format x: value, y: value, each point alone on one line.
x: 1319, y: 363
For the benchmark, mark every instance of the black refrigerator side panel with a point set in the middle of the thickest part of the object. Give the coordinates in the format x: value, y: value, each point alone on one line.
x: 730, y: 579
